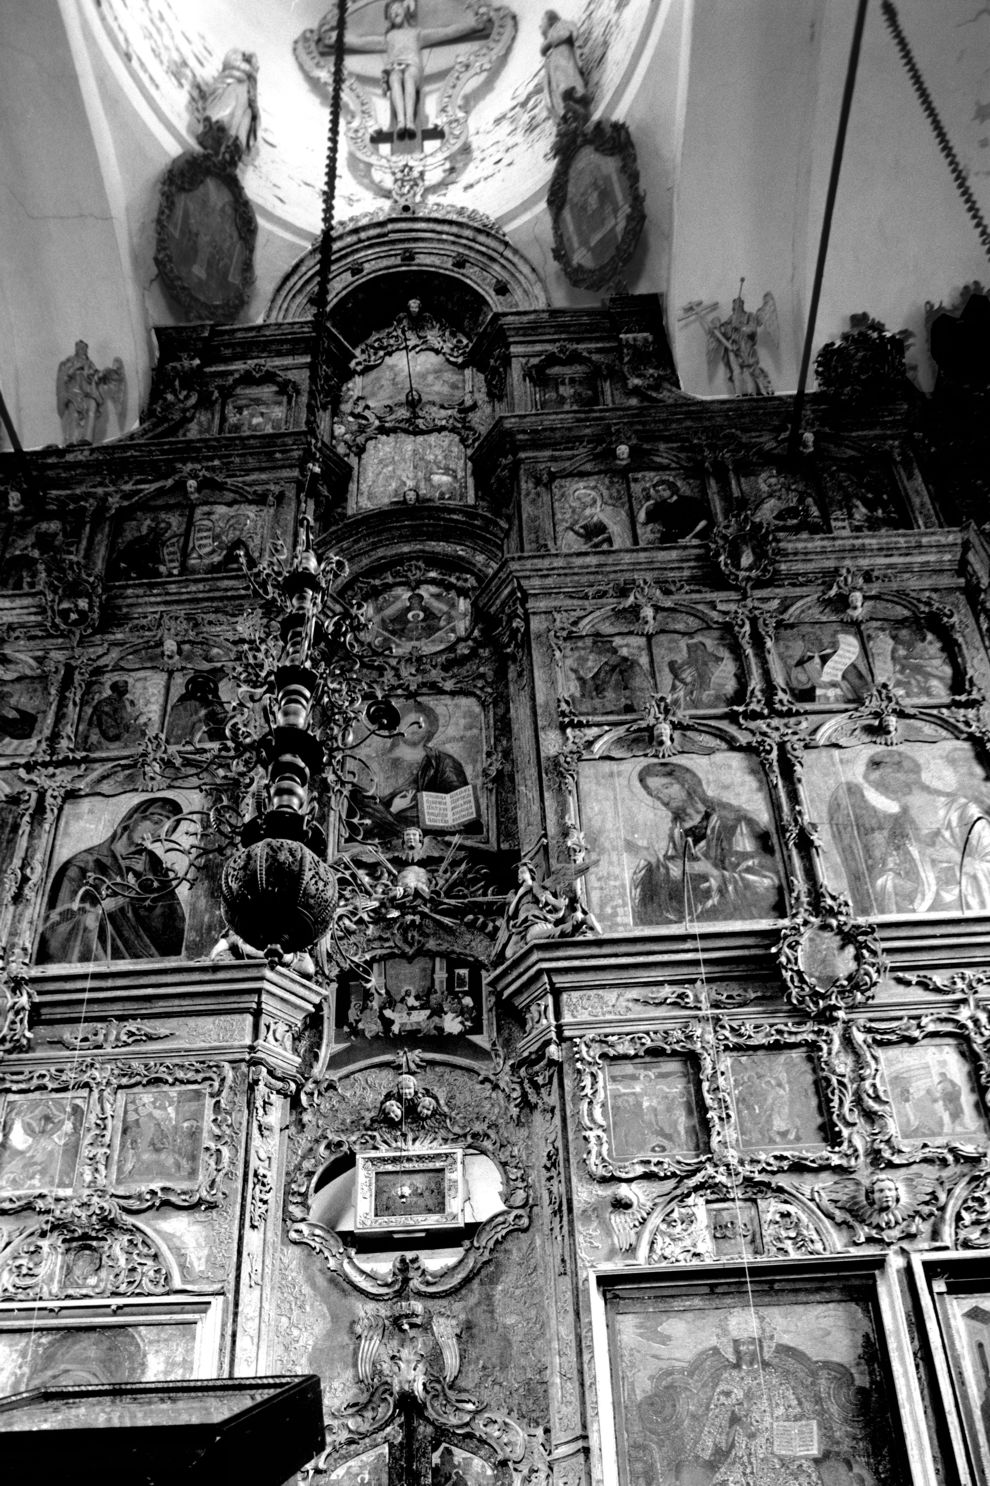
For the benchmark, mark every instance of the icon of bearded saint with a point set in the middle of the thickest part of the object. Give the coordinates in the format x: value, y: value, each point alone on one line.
x: 753, y: 1411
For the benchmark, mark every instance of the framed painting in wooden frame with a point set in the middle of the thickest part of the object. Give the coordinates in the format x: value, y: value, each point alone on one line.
x: 926, y: 1080
x: 63, y: 1343
x: 794, y: 1373
x: 954, y: 1300
x: 402, y: 1190
x: 42, y: 1133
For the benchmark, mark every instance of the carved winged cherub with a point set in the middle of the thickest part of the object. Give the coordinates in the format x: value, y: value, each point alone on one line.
x: 627, y: 1212
x: 548, y: 908
x: 884, y: 1208
x: 402, y: 45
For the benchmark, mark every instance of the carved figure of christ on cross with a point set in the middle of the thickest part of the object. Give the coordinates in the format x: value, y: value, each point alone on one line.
x: 402, y: 45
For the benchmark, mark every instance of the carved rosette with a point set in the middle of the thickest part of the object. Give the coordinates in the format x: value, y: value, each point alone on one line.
x: 746, y: 550
x: 830, y: 964
x: 73, y: 597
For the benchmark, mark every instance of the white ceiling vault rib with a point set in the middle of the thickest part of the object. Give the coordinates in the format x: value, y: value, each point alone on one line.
x: 131, y: 331
x: 65, y: 239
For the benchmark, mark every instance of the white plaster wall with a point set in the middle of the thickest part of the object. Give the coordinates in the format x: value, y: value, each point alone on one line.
x: 741, y: 201
x: 63, y: 245
x: 901, y: 233
x: 648, y: 98
x: 733, y: 105
x: 764, y: 89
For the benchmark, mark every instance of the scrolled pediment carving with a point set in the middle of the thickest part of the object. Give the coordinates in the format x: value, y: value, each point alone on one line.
x: 373, y: 1112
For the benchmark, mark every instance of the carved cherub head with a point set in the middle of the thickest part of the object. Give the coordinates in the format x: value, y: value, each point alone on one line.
x: 884, y: 1193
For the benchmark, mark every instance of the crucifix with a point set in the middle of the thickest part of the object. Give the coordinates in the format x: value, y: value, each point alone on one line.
x: 402, y: 47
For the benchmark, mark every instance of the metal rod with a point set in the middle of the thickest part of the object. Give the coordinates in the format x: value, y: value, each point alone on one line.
x: 969, y: 201
x: 833, y: 187
x: 315, y: 401
x: 8, y: 424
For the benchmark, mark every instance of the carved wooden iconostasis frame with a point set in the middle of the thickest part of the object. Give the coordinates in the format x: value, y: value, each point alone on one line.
x: 641, y: 716
x: 367, y: 1118
x: 732, y: 479
x: 106, y: 1094
x: 729, y: 1307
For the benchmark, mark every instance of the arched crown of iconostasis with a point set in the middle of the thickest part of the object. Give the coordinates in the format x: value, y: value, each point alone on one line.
x: 381, y: 260
x: 463, y: 270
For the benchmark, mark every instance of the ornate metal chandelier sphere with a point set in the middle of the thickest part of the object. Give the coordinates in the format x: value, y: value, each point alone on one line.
x: 278, y: 893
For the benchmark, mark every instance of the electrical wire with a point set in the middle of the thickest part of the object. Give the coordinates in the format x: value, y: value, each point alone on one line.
x: 723, y: 1091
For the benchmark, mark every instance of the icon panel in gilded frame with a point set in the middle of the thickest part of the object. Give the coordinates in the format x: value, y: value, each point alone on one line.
x: 680, y: 841
x: 130, y: 877
x: 756, y: 1096
x: 607, y: 669
x: 825, y: 657
x: 954, y: 1300
x: 926, y: 1082
x: 396, y: 1191
x: 601, y: 513
x: 145, y: 1132
x: 903, y: 829
x: 804, y: 1355
x: 426, y: 774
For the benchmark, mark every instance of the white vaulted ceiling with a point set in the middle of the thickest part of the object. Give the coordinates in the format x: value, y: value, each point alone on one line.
x: 732, y: 104
x: 159, y: 49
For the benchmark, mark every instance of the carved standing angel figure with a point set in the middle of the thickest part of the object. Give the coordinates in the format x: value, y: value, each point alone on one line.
x: 82, y: 391
x: 563, y: 83
x: 402, y: 45
x: 228, y: 107
x: 735, y: 339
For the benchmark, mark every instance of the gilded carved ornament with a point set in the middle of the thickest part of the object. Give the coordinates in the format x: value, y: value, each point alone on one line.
x: 367, y: 1114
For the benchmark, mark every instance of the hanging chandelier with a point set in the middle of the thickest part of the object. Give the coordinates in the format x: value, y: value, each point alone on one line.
x: 278, y: 891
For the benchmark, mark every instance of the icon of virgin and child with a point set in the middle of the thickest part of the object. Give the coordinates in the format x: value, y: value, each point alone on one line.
x: 117, y: 900
x: 715, y: 863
